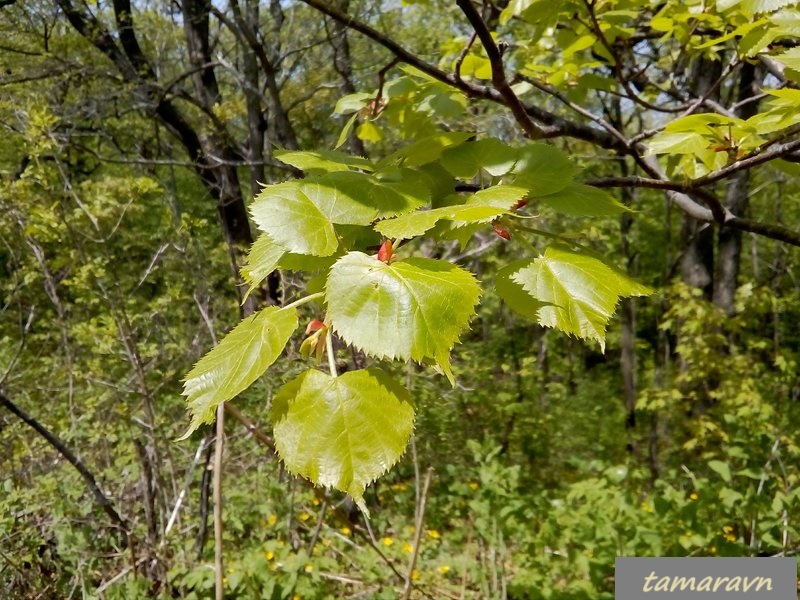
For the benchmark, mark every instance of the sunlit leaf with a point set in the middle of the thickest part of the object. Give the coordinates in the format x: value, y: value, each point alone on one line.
x: 342, y: 432
x: 417, y: 223
x: 582, y: 290
x: 491, y: 155
x: 325, y: 161
x: 427, y: 149
x: 542, y: 169
x: 513, y: 294
x: 262, y: 260
x: 582, y: 200
x: 411, y: 309
x: 292, y: 221
x: 359, y: 198
x: 237, y: 361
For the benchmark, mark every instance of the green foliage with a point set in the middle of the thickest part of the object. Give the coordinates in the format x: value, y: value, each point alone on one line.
x: 580, y: 291
x: 237, y: 361
x: 411, y: 309
x: 344, y: 431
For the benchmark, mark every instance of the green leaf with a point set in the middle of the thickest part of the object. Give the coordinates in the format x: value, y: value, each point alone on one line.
x: 345, y: 133
x: 582, y: 200
x: 352, y: 103
x: 369, y: 132
x: 325, y: 161
x: 499, y: 196
x: 359, y: 199
x: 342, y: 432
x: 411, y: 309
x: 427, y: 149
x: 790, y: 58
x: 542, y: 169
x: 513, y: 294
x: 762, y: 6
x: 417, y: 223
x: 492, y: 155
x: 237, y: 361
x: 582, y: 290
x: 262, y: 260
x: 290, y: 218
x: 721, y: 468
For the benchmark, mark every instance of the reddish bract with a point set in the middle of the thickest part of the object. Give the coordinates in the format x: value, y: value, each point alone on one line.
x: 501, y: 231
x: 314, y: 325
x: 386, y: 252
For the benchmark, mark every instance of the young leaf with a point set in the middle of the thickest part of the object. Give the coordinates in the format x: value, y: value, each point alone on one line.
x: 580, y: 200
x: 287, y: 215
x: 359, y: 199
x: 501, y: 196
x: 412, y: 309
x: 582, y: 290
x: 237, y: 361
x: 427, y: 149
x: 542, y: 169
x: 491, y: 155
x: 417, y: 223
x: 513, y: 294
x: 324, y: 161
x: 342, y: 432
x: 262, y: 260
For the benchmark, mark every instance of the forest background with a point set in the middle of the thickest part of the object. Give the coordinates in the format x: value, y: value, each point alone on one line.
x: 135, y: 136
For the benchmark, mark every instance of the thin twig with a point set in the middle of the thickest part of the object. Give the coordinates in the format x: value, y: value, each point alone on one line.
x: 531, y: 129
x: 420, y: 522
x: 219, y: 572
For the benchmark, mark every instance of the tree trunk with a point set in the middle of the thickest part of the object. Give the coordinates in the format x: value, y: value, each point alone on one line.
x: 729, y: 243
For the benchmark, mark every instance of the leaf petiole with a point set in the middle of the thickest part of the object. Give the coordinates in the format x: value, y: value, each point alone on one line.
x: 303, y: 300
x: 329, y: 352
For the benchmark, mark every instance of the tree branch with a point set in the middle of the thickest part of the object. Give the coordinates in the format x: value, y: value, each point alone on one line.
x: 499, y: 80
x: 51, y: 438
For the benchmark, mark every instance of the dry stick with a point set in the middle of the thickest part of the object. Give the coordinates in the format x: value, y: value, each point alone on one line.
x: 218, y: 450
x: 417, y: 534
x: 318, y: 528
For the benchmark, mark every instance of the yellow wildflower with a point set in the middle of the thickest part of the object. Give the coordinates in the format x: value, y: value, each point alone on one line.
x: 315, y: 501
x: 414, y: 575
x: 269, y: 555
x: 272, y: 519
x: 309, y: 568
x: 304, y: 516
x: 345, y: 530
x: 444, y: 569
x: 473, y: 485
x: 433, y: 534
x: 693, y: 496
x: 387, y: 541
x: 408, y: 548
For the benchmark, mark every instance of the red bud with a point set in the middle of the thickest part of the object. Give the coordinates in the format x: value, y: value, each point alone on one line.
x: 501, y: 231
x: 314, y: 325
x: 385, y: 252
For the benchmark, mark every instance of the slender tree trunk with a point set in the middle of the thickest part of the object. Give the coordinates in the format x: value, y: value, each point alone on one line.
x: 337, y: 35
x: 729, y: 243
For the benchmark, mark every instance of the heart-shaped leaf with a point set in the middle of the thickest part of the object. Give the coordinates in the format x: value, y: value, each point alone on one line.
x: 342, y: 432
x: 582, y: 291
x: 411, y: 309
x: 237, y: 361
